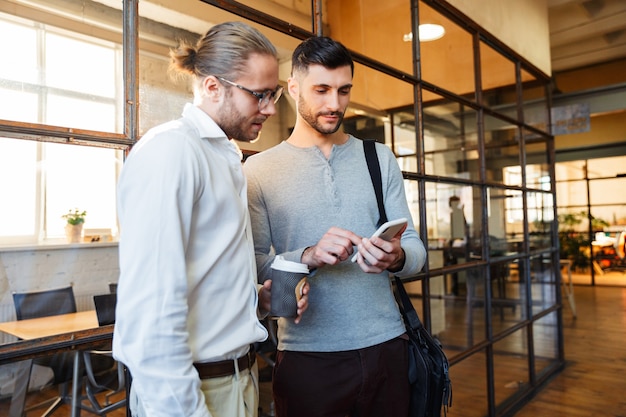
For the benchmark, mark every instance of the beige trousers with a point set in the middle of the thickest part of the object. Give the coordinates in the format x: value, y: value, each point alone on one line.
x: 229, y: 396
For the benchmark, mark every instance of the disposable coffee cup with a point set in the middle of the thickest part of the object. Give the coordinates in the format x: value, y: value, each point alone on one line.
x: 288, y: 278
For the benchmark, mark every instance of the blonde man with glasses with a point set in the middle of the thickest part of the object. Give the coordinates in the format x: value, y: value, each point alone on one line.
x: 189, y: 304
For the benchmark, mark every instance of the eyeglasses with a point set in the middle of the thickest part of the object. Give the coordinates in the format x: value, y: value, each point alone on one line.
x: 264, y: 98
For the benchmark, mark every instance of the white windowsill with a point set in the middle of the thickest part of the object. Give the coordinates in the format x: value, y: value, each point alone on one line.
x: 55, y: 245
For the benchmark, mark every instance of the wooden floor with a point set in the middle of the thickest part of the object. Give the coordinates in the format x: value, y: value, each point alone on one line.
x: 593, y: 382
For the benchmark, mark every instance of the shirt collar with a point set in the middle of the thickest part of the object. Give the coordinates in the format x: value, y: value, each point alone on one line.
x: 207, y: 128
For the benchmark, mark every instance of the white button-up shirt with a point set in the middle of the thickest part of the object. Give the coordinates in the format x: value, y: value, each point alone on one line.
x: 187, y: 290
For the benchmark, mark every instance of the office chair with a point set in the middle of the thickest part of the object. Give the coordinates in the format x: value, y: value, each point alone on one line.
x: 620, y: 245
x: 29, y: 305
x: 618, y: 261
x: 110, y: 381
x: 127, y: 376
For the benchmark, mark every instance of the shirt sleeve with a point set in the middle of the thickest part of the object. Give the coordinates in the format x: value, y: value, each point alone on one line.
x: 156, y: 194
x: 259, y: 221
x: 396, y: 206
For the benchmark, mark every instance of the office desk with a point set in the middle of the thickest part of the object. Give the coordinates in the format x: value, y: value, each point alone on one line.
x: 51, y: 326
x: 43, y: 327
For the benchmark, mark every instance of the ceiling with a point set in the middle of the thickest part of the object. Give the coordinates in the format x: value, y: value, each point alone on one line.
x: 584, y: 33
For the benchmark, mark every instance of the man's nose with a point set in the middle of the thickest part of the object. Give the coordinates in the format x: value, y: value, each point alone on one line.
x: 332, y: 101
x: 270, y: 109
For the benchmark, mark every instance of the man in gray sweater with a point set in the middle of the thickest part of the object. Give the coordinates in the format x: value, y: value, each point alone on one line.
x: 311, y: 200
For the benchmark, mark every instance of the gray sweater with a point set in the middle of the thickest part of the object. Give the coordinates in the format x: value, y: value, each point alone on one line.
x: 295, y: 195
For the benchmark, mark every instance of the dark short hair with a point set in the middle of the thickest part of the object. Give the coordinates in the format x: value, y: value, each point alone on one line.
x: 320, y: 50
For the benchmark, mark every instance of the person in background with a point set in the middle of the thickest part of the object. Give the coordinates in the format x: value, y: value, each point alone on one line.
x: 458, y: 225
x: 187, y: 310
x: 312, y: 201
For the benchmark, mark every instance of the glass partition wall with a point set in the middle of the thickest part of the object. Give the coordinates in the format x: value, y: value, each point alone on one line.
x: 466, y: 117
x: 592, y: 218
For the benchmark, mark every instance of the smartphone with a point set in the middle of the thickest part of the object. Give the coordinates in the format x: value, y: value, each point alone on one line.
x: 387, y: 231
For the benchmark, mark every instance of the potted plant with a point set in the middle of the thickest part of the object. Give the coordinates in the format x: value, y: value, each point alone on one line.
x: 74, y: 227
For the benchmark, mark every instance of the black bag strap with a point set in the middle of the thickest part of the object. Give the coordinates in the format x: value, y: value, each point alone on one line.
x: 409, y: 315
x: 371, y: 157
x: 408, y: 311
x: 369, y: 147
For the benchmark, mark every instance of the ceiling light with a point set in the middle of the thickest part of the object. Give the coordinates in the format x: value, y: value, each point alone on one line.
x: 428, y: 32
x: 431, y: 32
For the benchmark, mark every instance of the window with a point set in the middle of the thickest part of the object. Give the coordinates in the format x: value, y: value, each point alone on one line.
x: 540, y: 206
x: 52, y: 80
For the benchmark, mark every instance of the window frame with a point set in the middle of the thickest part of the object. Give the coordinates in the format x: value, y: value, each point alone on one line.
x: 49, y: 133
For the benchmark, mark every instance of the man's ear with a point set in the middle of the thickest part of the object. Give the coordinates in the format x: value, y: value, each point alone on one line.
x: 293, y: 87
x: 212, y: 88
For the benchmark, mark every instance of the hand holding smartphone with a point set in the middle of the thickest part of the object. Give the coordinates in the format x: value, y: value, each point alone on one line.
x: 387, y: 231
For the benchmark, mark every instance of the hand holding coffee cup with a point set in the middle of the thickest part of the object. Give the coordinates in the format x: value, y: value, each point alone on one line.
x: 288, y: 281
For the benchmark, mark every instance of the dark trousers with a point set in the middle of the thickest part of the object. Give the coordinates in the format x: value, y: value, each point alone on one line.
x: 370, y: 382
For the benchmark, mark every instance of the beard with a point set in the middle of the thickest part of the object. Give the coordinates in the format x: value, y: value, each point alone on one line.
x: 312, y: 119
x: 236, y: 125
